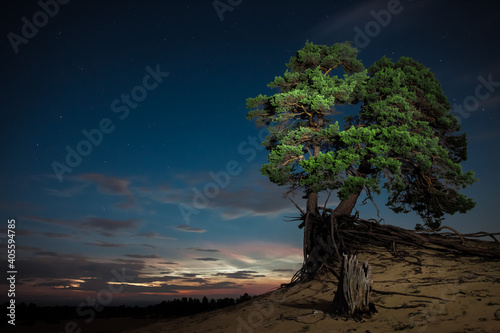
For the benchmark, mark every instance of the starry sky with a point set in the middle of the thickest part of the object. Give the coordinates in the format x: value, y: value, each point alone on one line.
x: 127, y: 158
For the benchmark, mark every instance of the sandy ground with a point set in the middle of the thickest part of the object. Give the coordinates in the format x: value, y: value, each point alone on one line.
x: 420, y: 291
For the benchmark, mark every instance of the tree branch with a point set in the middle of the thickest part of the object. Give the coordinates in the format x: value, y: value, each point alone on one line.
x: 369, y: 196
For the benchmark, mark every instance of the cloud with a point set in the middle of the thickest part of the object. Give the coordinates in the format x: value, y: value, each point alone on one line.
x: 282, y: 270
x: 251, y: 194
x: 266, y: 255
x: 106, y: 227
x: 240, y: 275
x: 142, y: 256
x: 106, y: 184
x: 163, y: 194
x: 65, y: 256
x: 155, y: 235
x: 103, y: 244
x: 262, y: 199
x: 165, y: 272
x: 202, y: 250
x: 47, y: 254
x: 26, y: 248
x: 161, y: 287
x: 52, y: 273
x: 247, y: 194
x: 49, y: 267
x: 186, y: 228
x: 189, y: 275
x: 23, y: 232
x: 55, y: 235
x: 129, y: 261
x: 57, y: 283
x: 109, y: 224
x: 48, y: 274
x: 147, y: 245
x: 196, y: 280
x: 49, y: 220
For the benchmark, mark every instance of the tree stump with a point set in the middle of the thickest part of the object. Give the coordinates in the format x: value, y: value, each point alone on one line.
x: 353, y: 292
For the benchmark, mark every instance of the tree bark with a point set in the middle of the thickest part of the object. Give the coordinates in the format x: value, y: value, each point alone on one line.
x: 312, y: 203
x: 346, y: 206
x: 353, y: 291
x: 311, y: 208
x: 310, y: 218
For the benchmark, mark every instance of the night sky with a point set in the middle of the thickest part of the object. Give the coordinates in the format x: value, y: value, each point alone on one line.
x: 126, y: 155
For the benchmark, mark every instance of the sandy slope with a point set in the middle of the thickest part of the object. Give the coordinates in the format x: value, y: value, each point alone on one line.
x: 421, y: 291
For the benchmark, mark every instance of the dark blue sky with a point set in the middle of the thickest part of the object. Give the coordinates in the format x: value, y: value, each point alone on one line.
x: 160, y: 88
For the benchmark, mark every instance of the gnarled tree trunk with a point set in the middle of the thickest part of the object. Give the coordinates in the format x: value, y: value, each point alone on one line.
x: 319, y: 239
x: 320, y: 246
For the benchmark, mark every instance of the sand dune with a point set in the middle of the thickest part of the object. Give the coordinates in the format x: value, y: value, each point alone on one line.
x: 418, y: 291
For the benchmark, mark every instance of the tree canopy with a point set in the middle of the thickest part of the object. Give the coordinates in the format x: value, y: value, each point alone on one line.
x: 404, y: 138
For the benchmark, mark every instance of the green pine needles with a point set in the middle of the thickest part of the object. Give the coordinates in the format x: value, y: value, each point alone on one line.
x: 404, y: 138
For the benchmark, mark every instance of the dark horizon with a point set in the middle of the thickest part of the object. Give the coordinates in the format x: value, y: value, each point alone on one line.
x: 209, y: 303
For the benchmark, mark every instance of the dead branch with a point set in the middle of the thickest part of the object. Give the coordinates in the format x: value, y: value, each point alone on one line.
x: 369, y: 196
x: 297, y: 206
x: 327, y: 198
x: 454, y: 230
x: 483, y: 234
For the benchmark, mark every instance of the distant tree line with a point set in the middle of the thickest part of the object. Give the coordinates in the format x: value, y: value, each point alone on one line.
x: 166, y: 309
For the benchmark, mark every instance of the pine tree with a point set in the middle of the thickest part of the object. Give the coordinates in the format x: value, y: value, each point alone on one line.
x: 403, y: 140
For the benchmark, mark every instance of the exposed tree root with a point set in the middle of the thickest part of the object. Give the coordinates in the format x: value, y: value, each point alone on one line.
x: 327, y: 237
